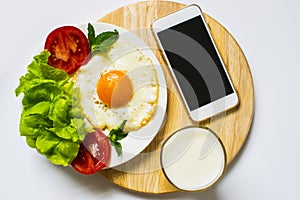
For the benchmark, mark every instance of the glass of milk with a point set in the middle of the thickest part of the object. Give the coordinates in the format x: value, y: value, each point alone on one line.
x: 193, y: 158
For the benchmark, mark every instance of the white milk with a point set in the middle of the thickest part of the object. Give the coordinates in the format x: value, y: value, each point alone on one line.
x: 193, y: 159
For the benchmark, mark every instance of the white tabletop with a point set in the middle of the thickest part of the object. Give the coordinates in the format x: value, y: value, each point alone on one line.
x: 266, y: 168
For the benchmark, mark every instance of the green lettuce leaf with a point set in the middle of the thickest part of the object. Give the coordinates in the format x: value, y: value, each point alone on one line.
x: 59, y: 109
x: 41, y: 108
x: 51, y: 120
x: 46, y: 142
x: 42, y: 91
x: 31, y: 141
x: 40, y: 72
x: 80, y: 126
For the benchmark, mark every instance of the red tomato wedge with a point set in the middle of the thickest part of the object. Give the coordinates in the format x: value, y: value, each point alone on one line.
x: 94, y: 153
x: 69, y: 48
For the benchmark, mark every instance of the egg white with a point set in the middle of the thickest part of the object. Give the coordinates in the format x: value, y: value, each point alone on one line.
x: 140, y: 69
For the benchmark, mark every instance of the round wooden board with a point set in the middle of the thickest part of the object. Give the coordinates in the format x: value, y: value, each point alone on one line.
x: 144, y: 173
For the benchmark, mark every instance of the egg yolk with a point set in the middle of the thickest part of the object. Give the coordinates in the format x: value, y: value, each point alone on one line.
x: 114, y: 88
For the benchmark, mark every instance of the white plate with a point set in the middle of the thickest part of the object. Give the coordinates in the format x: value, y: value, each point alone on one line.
x: 138, y: 140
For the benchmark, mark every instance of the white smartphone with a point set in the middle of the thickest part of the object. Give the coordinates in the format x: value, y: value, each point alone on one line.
x: 195, y: 63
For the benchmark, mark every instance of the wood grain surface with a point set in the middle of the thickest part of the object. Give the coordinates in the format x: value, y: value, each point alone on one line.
x: 144, y: 173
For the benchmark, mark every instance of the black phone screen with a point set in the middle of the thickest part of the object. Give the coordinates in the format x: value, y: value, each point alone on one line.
x: 195, y: 62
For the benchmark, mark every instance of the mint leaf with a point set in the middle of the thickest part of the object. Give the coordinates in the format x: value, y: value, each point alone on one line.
x: 116, y: 135
x: 118, y: 147
x: 102, y: 42
x: 91, y: 34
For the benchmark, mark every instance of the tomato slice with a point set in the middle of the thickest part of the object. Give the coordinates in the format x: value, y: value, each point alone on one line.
x: 69, y: 48
x: 94, y: 153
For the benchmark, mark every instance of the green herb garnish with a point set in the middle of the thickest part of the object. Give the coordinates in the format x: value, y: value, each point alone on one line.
x: 117, y: 134
x: 102, y: 42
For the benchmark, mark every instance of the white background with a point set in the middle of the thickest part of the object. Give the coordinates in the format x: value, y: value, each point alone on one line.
x: 268, y: 166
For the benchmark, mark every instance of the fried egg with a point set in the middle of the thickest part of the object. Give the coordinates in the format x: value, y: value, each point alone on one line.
x: 121, y: 85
